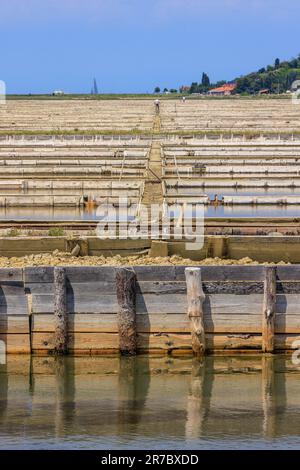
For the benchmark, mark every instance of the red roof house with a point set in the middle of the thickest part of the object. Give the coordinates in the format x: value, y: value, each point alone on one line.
x: 223, y: 90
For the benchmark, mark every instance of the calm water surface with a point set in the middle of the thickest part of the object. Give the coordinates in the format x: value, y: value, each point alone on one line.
x: 92, y: 214
x: 148, y: 402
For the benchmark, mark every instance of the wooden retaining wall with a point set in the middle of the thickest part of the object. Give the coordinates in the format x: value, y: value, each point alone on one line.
x: 14, y: 312
x: 240, y: 313
x: 259, y: 248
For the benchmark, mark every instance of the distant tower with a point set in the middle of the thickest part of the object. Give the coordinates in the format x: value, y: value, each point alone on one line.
x: 95, y: 88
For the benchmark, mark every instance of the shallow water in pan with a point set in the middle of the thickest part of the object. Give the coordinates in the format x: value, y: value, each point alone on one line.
x: 81, y: 214
x: 212, y: 191
x: 176, y: 192
x: 243, y: 402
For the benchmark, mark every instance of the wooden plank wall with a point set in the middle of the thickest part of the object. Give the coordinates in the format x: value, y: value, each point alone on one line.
x: 233, y: 308
x: 22, y: 246
x: 14, y: 317
x: 259, y: 248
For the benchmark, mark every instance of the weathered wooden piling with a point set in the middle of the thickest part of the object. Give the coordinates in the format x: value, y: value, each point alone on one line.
x: 195, y: 299
x: 60, y: 312
x: 126, y: 295
x: 269, y: 309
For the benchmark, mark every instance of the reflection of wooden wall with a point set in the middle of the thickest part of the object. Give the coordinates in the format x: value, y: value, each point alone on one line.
x: 176, y: 397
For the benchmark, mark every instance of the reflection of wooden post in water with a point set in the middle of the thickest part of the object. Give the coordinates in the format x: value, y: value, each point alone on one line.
x: 65, y: 394
x: 134, y: 380
x: 199, y: 397
x: 3, y: 390
x: 268, y: 396
x: 274, y: 399
x: 31, y: 377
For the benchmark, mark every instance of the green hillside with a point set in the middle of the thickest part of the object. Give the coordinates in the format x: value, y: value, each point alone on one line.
x: 277, y: 78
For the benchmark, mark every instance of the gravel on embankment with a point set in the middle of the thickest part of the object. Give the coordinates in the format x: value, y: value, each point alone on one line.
x: 65, y: 259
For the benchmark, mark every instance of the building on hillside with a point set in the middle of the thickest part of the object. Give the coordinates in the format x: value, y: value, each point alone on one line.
x: 224, y: 90
x: 264, y: 91
x: 184, y: 89
x: 58, y: 93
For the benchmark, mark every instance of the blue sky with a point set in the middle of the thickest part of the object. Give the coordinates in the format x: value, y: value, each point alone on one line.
x: 134, y: 45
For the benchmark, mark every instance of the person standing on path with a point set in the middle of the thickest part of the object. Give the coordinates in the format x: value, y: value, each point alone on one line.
x: 157, y: 106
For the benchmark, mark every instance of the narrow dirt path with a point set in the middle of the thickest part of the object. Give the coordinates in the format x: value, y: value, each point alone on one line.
x: 156, y: 124
x: 153, y: 193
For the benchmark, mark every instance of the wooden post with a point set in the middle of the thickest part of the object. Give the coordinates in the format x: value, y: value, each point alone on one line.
x: 195, y: 299
x: 269, y: 309
x: 126, y: 294
x: 60, y: 312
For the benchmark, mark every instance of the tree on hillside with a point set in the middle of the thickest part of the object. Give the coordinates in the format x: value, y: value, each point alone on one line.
x: 194, y: 87
x: 277, y: 63
x: 205, y: 80
x: 157, y: 89
x: 293, y: 64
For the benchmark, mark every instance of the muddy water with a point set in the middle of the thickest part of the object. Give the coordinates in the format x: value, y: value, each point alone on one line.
x: 148, y: 402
